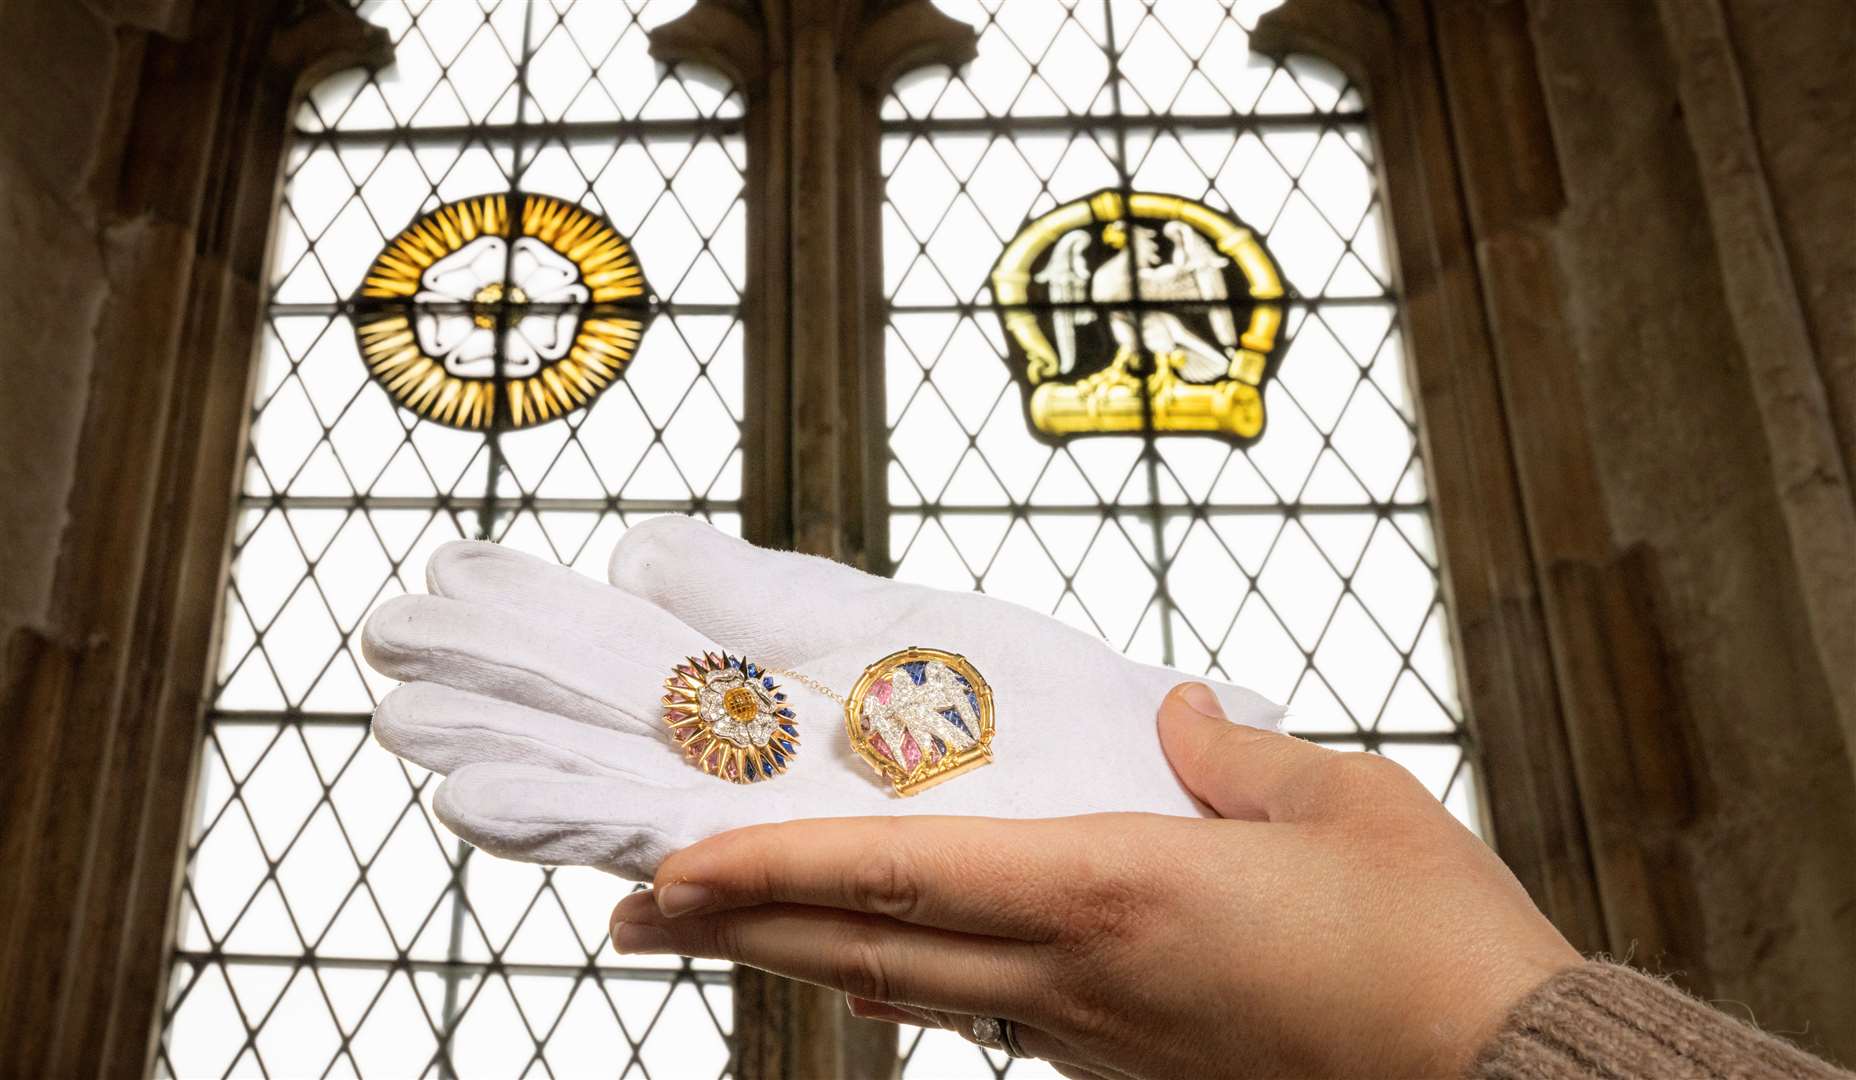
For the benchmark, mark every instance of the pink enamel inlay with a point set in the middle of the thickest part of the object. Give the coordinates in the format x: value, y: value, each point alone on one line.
x: 881, y: 747
x: 881, y: 692
x: 911, y: 753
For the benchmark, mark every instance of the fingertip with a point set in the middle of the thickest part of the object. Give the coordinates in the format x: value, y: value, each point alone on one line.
x: 452, y: 558
x: 633, y: 925
x: 637, y: 906
x: 392, y: 718
x: 469, y: 569
x: 481, y: 802
x: 630, y: 938
x: 445, y: 805
x: 722, y: 587
x: 647, y: 545
x: 691, y: 874
x: 683, y: 898
x: 1223, y: 703
x: 1200, y: 699
x: 1185, y: 709
x: 421, y: 722
x: 1211, y: 754
x: 381, y: 633
x: 671, y: 868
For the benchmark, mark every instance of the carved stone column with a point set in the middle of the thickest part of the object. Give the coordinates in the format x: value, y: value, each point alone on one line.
x: 1491, y: 473
x: 814, y: 73
x: 96, y: 787
x: 1580, y: 725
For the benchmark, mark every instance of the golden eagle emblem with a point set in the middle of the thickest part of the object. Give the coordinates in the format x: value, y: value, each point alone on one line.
x: 1145, y: 310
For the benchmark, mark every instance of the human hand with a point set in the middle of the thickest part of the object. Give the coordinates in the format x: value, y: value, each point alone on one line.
x: 538, y: 692
x: 1339, y: 923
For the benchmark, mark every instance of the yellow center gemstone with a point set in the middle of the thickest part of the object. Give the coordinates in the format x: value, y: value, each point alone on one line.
x: 741, y: 704
x: 483, y: 305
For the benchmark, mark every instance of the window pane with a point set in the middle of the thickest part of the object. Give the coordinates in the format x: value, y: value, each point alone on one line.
x: 329, y: 924
x: 1301, y: 564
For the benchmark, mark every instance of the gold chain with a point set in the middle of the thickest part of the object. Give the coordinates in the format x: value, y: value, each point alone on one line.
x: 814, y: 684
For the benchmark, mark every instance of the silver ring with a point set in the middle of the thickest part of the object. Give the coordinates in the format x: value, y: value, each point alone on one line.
x: 997, y: 1033
x: 1008, y: 1035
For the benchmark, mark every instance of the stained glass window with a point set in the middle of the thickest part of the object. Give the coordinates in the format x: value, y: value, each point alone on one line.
x: 328, y: 925
x: 1300, y: 561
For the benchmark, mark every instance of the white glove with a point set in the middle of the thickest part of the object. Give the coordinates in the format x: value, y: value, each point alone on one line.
x: 538, y: 692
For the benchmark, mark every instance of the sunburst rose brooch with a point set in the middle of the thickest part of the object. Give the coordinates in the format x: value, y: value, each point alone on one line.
x: 730, y: 717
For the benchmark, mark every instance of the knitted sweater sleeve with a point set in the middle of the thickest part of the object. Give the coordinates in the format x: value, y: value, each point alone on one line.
x: 1605, y: 1021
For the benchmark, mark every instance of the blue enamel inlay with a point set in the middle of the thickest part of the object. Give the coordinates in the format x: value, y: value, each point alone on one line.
x: 788, y: 713
x: 790, y: 730
x: 778, y: 758
x: 779, y: 697
x: 767, y: 682
x: 788, y: 746
x: 918, y: 671
x: 752, y: 673
x: 953, y: 717
x: 766, y: 767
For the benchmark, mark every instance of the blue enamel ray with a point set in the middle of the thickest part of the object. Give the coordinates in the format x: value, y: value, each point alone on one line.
x: 953, y: 717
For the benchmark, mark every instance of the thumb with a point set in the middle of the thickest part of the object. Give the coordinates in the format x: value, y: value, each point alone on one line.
x: 1239, y: 771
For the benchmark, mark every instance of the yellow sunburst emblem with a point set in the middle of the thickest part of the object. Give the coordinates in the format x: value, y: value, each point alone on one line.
x: 481, y: 314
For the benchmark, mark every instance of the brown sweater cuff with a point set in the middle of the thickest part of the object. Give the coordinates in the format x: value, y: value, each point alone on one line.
x: 1602, y: 1020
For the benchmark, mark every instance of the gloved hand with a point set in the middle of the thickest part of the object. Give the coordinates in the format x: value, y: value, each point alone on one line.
x: 538, y: 693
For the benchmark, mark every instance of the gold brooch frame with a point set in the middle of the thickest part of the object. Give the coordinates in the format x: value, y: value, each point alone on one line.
x: 925, y: 774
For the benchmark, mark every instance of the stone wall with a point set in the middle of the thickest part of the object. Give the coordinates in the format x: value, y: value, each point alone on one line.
x: 58, y: 125
x: 1799, y: 63
x: 1687, y: 465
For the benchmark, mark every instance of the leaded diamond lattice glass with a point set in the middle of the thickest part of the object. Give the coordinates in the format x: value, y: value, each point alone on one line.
x: 328, y: 925
x: 1304, y: 565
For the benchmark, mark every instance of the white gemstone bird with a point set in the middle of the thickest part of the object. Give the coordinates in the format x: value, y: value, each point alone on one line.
x: 916, y: 709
